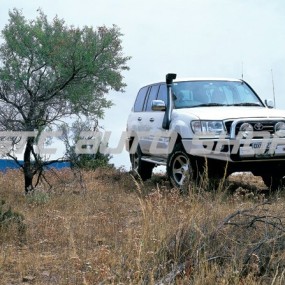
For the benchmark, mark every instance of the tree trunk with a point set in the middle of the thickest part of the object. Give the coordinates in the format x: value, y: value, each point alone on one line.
x: 27, y: 166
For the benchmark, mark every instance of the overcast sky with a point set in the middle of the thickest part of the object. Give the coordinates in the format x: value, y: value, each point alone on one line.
x: 189, y: 37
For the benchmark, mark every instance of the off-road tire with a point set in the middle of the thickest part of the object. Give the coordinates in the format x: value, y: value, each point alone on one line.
x: 273, y: 181
x: 140, y: 168
x: 180, y: 170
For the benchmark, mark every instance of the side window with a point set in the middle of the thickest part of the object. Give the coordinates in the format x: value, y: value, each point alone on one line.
x: 152, y: 96
x: 162, y: 93
x: 140, y: 99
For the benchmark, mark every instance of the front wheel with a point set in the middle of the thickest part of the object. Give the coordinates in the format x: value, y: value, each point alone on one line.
x: 179, y: 168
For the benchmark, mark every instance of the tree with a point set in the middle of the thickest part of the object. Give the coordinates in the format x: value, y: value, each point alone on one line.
x: 50, y: 71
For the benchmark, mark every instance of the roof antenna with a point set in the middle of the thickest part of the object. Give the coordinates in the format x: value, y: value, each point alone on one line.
x: 273, y: 89
x: 242, y: 70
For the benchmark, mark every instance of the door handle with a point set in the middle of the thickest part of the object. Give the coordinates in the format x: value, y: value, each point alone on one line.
x: 151, y: 119
x: 139, y: 118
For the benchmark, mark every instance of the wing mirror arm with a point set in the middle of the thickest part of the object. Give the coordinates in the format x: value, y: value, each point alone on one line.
x: 269, y: 103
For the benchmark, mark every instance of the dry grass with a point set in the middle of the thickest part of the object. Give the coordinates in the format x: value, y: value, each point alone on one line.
x: 111, y: 229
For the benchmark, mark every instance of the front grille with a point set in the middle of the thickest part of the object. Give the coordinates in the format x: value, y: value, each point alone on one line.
x: 267, y: 126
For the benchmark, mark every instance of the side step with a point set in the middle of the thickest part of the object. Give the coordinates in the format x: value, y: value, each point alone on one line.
x: 155, y: 160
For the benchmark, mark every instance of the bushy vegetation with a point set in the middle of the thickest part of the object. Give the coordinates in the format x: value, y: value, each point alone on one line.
x: 10, y: 219
x: 118, y: 230
x: 92, y: 161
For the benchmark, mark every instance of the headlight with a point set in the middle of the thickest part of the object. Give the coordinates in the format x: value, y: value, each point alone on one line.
x: 246, y: 130
x: 208, y: 127
x: 280, y: 129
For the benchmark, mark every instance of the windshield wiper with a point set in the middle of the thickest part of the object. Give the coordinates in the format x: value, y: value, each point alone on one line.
x: 210, y: 105
x: 247, y: 104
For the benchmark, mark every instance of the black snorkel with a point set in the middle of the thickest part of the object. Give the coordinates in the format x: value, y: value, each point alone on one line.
x: 169, y: 106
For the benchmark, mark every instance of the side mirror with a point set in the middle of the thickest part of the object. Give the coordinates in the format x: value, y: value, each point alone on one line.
x: 158, y: 105
x: 269, y: 103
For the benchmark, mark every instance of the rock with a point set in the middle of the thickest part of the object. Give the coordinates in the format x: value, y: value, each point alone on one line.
x: 28, y: 278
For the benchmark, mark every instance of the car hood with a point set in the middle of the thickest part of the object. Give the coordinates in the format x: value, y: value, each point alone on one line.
x: 231, y: 112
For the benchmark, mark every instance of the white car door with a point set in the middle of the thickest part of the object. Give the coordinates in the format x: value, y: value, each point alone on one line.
x: 155, y: 141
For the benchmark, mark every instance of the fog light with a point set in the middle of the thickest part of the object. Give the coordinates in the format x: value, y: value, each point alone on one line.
x: 246, y: 130
x: 280, y: 129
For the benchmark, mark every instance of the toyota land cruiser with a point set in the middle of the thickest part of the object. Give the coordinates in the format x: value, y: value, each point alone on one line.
x: 218, y: 124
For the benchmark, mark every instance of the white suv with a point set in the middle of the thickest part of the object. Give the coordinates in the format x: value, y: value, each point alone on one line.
x: 198, y: 124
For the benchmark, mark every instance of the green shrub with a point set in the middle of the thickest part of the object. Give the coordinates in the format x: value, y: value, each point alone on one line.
x: 38, y: 197
x: 8, y: 218
x: 92, y: 161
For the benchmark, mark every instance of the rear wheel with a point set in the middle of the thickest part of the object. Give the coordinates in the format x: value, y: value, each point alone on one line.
x: 273, y: 181
x: 139, y: 167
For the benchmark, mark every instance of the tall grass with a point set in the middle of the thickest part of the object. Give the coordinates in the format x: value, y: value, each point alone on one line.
x: 117, y: 230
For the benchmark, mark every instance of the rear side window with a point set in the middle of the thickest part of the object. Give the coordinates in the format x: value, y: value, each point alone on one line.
x: 140, y: 99
x: 162, y: 93
x: 152, y: 96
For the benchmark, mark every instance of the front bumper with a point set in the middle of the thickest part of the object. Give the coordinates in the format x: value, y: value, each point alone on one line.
x: 236, y: 149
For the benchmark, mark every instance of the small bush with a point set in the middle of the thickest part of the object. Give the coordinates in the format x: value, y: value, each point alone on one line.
x: 38, y: 197
x: 10, y: 218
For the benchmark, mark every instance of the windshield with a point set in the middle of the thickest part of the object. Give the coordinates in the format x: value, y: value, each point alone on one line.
x: 189, y: 94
